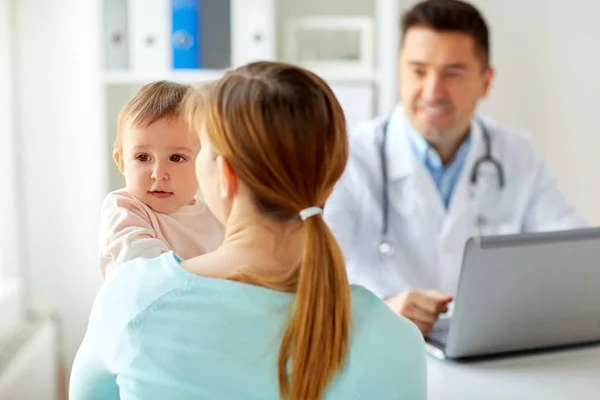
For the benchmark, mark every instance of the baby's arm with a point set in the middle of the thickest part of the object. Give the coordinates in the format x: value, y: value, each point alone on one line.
x: 126, y: 233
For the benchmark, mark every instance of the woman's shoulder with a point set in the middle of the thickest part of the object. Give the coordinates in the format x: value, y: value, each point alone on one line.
x: 388, y: 359
x: 372, y: 312
x: 137, y: 284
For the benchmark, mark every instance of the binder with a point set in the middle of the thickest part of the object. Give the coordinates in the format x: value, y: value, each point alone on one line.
x: 149, y: 34
x: 185, y: 38
x: 252, y: 31
x: 215, y: 17
x: 115, y: 35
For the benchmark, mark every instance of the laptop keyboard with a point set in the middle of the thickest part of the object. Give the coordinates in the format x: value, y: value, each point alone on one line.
x: 439, y: 332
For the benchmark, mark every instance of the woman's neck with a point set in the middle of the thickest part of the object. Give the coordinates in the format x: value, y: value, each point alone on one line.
x: 255, y: 245
x: 271, y: 243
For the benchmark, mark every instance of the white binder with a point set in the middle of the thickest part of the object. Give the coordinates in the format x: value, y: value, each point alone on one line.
x: 116, y: 36
x: 149, y: 34
x: 252, y: 31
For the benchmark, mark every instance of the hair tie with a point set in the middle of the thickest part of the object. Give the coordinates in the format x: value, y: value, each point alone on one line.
x: 310, y: 212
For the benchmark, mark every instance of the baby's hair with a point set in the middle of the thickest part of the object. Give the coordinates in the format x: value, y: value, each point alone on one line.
x: 154, y: 101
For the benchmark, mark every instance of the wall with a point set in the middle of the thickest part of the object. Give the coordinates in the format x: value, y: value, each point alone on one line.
x: 547, y: 60
x: 61, y: 127
x: 9, y: 235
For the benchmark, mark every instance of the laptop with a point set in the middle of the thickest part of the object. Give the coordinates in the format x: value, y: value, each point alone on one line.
x: 523, y: 292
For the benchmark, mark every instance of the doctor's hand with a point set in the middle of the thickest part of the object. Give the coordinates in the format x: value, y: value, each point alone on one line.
x: 422, y: 307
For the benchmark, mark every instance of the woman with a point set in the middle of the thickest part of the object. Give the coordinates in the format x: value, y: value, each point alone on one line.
x: 270, y: 314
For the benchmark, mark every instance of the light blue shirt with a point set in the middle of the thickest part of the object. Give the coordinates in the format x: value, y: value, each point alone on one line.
x: 445, y: 178
x: 157, y: 331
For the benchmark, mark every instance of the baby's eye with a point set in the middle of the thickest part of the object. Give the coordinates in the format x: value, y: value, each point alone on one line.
x: 142, y: 157
x: 177, y: 158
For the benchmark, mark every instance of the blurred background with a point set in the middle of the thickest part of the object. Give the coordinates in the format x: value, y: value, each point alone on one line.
x: 68, y: 66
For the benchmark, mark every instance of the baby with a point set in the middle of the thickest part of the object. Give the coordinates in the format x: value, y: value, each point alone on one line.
x: 157, y: 211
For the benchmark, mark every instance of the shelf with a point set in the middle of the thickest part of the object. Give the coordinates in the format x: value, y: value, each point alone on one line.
x: 332, y: 76
x: 141, y: 78
x: 127, y: 78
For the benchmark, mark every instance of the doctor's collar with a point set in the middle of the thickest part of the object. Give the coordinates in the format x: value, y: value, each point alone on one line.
x: 426, y: 153
x: 401, y: 157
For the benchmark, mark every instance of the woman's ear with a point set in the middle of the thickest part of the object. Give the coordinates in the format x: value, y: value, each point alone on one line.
x: 118, y: 157
x: 227, y: 178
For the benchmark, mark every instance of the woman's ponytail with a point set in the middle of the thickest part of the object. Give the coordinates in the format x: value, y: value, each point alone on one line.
x: 316, y: 340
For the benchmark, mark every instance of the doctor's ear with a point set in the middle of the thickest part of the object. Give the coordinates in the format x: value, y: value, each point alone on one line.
x: 227, y: 178
x: 488, y: 77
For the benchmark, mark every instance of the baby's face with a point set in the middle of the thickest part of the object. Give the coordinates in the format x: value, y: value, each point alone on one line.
x: 158, y: 164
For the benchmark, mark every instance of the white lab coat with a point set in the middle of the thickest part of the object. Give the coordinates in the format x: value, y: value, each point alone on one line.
x: 427, y: 239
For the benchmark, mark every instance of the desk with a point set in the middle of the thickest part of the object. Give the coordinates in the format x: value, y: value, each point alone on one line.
x: 572, y: 374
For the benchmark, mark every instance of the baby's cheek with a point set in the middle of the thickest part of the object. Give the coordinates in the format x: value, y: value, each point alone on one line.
x: 190, y: 171
x: 189, y: 178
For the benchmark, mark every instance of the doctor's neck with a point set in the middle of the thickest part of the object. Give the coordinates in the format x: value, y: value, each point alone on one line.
x: 446, y: 144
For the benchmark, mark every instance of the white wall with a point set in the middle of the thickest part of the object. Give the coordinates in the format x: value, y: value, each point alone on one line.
x: 548, y: 63
x: 9, y: 234
x: 61, y: 128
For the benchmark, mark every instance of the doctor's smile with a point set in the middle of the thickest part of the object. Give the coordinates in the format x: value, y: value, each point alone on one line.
x: 435, y: 114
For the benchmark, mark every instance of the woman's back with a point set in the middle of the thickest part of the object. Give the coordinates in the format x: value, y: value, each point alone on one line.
x: 167, y: 333
x: 277, y: 317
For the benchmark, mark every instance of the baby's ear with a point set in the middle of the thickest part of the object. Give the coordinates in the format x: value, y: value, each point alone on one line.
x: 118, y: 157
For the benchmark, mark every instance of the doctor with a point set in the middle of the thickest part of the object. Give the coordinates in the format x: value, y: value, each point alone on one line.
x: 422, y: 180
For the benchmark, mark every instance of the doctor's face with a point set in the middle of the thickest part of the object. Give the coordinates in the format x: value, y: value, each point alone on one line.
x: 442, y: 78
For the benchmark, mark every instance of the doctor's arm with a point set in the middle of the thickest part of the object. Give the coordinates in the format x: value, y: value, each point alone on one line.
x: 548, y: 208
x: 421, y: 307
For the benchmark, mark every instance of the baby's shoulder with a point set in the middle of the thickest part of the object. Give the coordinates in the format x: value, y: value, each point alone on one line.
x: 122, y: 201
x: 196, y: 213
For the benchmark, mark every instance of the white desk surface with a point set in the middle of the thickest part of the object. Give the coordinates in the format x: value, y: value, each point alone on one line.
x: 558, y: 375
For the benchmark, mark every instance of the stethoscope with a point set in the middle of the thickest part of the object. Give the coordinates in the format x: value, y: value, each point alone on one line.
x: 385, y: 246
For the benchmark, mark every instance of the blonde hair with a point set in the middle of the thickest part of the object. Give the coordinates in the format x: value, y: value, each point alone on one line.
x: 283, y: 132
x: 154, y: 101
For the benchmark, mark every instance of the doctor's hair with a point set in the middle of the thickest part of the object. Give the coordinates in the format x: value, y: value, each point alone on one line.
x: 283, y: 132
x: 450, y: 16
x: 154, y: 101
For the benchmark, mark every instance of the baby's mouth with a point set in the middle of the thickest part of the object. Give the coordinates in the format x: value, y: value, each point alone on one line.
x: 161, y: 194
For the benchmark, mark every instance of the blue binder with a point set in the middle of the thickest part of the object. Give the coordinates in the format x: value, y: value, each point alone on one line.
x: 185, y: 39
